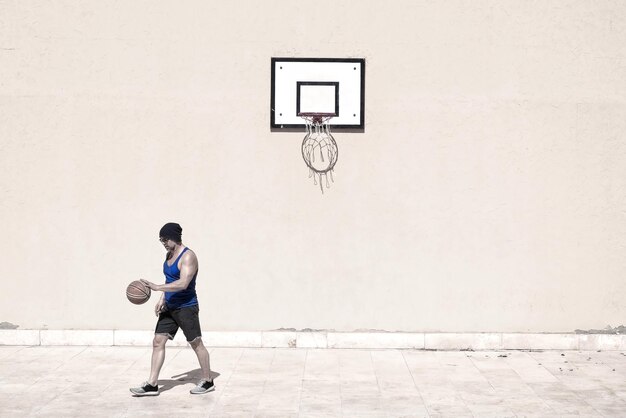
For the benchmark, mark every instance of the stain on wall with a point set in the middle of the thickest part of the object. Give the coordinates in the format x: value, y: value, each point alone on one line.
x: 608, y: 330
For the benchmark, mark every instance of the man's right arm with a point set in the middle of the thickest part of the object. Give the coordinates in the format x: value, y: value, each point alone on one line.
x: 160, y: 305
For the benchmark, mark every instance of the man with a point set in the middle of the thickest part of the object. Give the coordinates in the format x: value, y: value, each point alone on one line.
x: 177, y: 308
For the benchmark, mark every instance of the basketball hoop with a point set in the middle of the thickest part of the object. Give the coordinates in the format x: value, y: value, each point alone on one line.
x: 319, y: 148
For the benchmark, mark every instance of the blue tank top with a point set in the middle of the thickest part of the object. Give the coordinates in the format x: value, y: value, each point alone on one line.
x: 183, y: 298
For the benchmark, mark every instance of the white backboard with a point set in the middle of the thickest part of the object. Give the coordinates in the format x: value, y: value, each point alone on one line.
x: 318, y: 85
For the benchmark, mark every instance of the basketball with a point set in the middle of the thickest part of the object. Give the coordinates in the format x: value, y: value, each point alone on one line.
x: 137, y: 292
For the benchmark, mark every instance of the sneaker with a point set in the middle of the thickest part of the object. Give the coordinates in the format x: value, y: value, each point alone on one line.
x: 203, y: 387
x: 145, y: 389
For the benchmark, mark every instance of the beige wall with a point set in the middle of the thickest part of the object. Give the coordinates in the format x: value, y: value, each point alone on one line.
x: 487, y: 192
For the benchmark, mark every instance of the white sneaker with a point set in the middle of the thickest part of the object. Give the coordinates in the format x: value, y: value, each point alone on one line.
x: 204, y: 386
x: 146, y: 389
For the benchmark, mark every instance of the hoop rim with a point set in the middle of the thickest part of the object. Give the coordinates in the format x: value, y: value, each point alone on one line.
x: 318, y: 117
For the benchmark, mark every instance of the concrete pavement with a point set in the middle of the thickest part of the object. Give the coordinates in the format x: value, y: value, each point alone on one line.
x: 282, y: 382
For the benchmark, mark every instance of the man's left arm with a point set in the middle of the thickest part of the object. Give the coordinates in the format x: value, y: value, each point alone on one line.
x: 188, y: 268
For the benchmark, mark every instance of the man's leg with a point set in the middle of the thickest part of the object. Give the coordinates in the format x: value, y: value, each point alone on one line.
x: 151, y: 387
x: 158, y: 357
x: 203, y: 357
x: 187, y: 319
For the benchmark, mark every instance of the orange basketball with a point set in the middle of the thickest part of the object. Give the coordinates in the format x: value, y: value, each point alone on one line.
x: 137, y: 292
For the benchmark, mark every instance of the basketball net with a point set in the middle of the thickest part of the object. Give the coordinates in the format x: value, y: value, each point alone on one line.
x: 319, y: 148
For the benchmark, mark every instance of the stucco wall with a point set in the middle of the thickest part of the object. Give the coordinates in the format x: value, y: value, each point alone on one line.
x: 487, y: 192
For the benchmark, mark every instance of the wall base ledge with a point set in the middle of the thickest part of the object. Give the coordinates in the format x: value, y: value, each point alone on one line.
x: 328, y: 339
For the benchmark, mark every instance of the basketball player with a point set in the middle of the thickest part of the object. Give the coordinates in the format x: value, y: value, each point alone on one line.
x: 177, y: 308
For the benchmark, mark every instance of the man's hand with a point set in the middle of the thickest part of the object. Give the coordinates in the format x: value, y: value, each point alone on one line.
x: 150, y: 285
x: 160, y: 306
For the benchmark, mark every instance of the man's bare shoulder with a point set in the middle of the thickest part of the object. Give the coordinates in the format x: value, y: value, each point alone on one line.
x: 189, y: 257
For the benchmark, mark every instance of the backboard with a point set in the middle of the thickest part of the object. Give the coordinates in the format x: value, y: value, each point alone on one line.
x: 318, y: 85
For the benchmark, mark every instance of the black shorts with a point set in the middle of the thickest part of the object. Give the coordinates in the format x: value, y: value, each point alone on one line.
x: 185, y: 318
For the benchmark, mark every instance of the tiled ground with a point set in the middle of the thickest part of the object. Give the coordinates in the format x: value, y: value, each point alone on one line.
x: 94, y: 382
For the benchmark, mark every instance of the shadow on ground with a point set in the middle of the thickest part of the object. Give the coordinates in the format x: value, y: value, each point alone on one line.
x: 192, y: 376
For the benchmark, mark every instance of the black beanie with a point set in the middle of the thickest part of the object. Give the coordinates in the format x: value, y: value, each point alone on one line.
x: 171, y: 231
